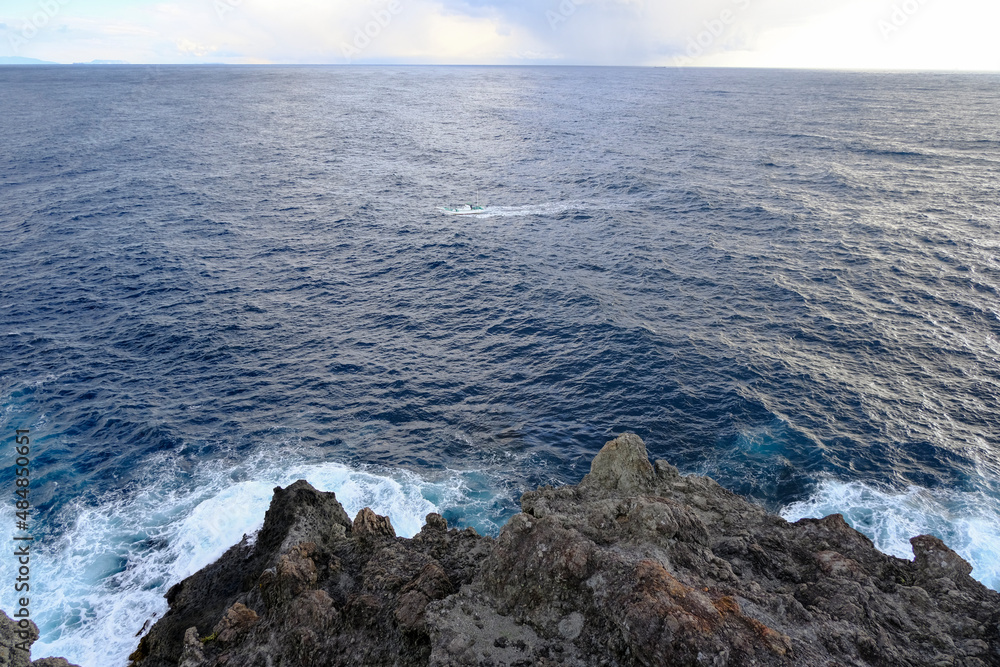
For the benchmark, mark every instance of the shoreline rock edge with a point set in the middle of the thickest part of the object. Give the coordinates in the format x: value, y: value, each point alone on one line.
x: 635, y: 565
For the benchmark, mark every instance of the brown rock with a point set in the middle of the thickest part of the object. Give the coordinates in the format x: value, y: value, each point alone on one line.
x: 367, y: 524
x: 237, y: 621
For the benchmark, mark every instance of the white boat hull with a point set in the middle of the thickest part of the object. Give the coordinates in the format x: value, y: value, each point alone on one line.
x: 463, y: 210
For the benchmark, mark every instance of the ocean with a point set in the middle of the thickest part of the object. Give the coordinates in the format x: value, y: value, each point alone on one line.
x: 216, y: 280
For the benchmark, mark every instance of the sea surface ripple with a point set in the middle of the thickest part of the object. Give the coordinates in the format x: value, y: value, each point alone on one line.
x: 220, y: 279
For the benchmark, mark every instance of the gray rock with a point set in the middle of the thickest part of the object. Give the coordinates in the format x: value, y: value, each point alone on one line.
x: 621, y: 465
x: 14, y: 639
x: 193, y: 655
x: 636, y: 565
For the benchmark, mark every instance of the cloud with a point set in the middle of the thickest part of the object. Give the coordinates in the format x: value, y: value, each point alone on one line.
x: 785, y: 33
x: 187, y: 47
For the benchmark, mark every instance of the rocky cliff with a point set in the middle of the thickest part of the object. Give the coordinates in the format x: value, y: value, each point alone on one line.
x: 636, y: 565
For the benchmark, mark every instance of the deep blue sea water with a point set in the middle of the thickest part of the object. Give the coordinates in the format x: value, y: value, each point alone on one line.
x: 215, y: 280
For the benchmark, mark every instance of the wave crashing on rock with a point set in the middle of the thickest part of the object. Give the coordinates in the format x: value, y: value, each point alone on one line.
x: 635, y: 565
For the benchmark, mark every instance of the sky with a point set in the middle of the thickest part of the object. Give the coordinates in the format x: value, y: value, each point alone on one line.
x: 837, y: 34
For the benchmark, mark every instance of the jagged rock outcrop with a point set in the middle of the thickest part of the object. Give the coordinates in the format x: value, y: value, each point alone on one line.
x: 14, y: 639
x: 636, y: 565
x: 315, y: 588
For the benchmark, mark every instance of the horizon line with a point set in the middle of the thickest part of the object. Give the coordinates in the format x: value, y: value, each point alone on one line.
x: 42, y: 63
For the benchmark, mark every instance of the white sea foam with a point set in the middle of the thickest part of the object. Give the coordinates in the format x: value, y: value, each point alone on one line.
x: 966, y: 521
x: 547, y: 208
x: 519, y: 211
x: 104, y: 577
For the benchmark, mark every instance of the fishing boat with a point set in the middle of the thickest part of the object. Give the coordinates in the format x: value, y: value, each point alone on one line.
x: 464, y: 209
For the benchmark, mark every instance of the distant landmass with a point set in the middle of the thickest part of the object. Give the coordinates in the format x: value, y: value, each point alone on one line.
x: 18, y: 60
x: 105, y: 62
